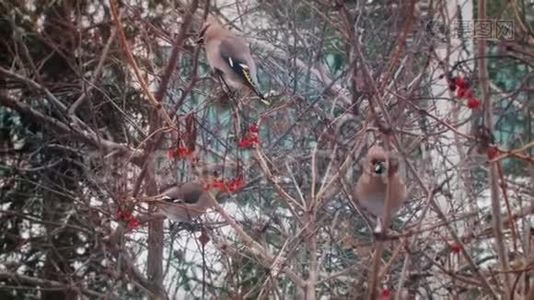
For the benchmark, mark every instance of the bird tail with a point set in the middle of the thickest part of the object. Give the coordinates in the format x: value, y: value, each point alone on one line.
x: 262, y: 98
x: 250, y: 82
x: 147, y: 199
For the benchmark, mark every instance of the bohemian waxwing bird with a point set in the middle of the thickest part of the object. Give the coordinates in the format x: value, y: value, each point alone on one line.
x: 184, y: 202
x: 229, y: 56
x: 371, y: 188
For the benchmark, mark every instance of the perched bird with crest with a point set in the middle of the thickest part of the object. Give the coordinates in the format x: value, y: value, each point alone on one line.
x: 229, y: 56
x: 183, y: 202
x: 380, y: 169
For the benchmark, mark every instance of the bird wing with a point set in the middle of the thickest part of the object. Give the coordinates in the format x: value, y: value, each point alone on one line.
x: 186, y: 193
x: 236, y: 55
x: 169, y: 199
x: 192, y: 192
x: 175, y: 192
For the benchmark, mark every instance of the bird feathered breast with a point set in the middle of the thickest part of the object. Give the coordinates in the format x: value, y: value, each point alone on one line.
x: 371, y: 188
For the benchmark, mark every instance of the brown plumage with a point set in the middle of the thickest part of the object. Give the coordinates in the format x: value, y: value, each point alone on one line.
x: 371, y: 188
x: 229, y: 56
x: 184, y: 202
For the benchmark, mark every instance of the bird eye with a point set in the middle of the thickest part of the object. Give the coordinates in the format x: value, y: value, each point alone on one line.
x: 378, y: 167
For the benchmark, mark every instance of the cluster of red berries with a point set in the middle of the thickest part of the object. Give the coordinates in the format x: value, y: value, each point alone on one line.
x: 463, y: 91
x: 128, y: 218
x: 385, y: 294
x: 186, y: 143
x: 251, y: 138
x: 228, y: 186
x: 179, y: 153
x: 493, y: 152
x: 455, y: 248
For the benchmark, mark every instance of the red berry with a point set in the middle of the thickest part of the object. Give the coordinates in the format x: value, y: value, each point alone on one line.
x: 235, y: 184
x: 219, y: 184
x: 254, y: 139
x: 460, y: 93
x: 473, y: 103
x: 203, y: 238
x: 133, y: 223
x: 123, y: 215
x: 180, y: 153
x: 244, y: 143
x: 493, y: 152
x: 385, y: 294
x: 254, y: 128
x: 456, y: 248
x: 249, y: 141
x: 461, y: 82
x: 183, y: 152
x: 452, y: 83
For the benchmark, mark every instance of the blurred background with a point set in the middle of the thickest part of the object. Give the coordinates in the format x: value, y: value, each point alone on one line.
x: 96, y: 97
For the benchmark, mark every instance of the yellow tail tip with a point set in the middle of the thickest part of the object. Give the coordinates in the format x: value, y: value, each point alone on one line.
x: 264, y: 101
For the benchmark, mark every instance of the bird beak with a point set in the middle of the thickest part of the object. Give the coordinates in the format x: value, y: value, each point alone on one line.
x: 200, y: 39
